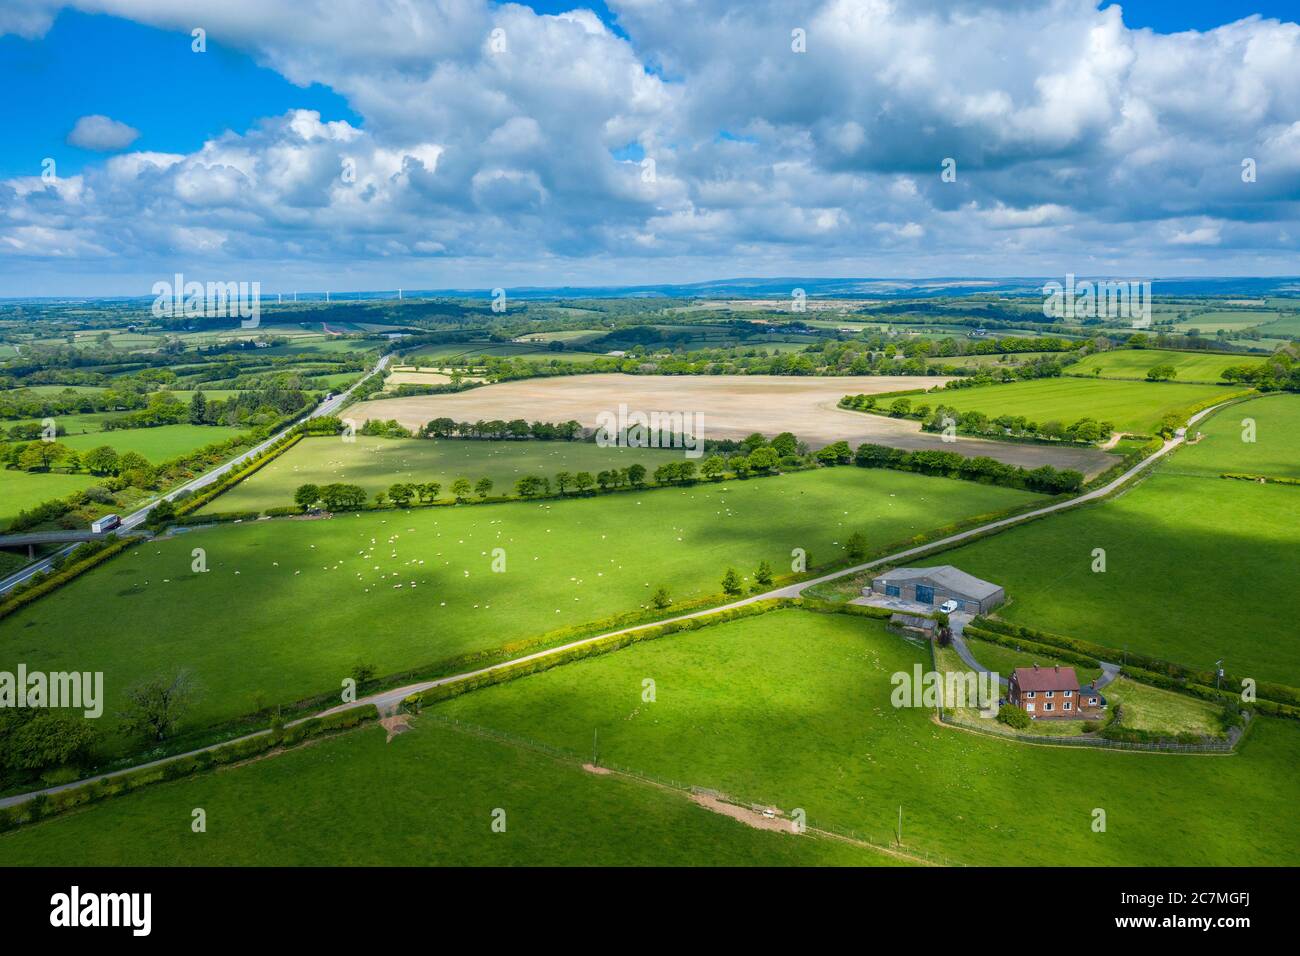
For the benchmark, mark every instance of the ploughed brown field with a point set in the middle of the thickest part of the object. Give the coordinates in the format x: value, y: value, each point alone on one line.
x: 732, y: 407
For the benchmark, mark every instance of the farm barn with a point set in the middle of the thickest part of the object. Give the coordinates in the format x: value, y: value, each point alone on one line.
x: 939, y: 585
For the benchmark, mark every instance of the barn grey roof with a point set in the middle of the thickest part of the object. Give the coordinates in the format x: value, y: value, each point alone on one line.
x: 953, y: 579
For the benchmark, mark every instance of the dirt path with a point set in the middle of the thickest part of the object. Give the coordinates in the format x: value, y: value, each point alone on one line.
x: 752, y: 818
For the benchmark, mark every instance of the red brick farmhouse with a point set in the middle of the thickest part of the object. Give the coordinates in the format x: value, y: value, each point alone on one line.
x: 1053, y: 692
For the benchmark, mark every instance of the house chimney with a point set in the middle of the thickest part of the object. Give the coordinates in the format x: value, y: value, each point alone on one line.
x: 1035, y: 666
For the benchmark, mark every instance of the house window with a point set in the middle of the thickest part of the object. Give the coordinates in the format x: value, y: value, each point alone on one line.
x: 1092, y: 701
x: 891, y: 590
x: 1066, y: 706
x: 1048, y: 706
x: 1029, y: 708
x: 1051, y: 694
x: 1032, y: 694
x: 1069, y: 693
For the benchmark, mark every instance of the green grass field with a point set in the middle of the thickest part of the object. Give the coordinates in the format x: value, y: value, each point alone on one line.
x: 1004, y: 660
x: 1275, y: 450
x: 1231, y: 320
x: 376, y: 463
x: 996, y: 361
x: 78, y: 424
x: 793, y: 709
x: 569, y: 337
x: 1162, y: 711
x: 1286, y: 327
x: 1198, y: 568
x: 210, y: 394
x: 1134, y: 363
x: 20, y: 490
x: 1130, y: 406
x: 424, y: 799
x: 58, y: 389
x: 436, y: 354
x: 156, y: 444
x: 287, y: 607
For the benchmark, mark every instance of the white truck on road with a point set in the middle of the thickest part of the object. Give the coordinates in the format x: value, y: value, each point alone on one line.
x: 106, y: 523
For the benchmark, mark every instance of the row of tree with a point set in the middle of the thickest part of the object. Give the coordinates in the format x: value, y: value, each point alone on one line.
x: 945, y: 418
x: 34, y: 741
x: 498, y: 429
x: 949, y: 464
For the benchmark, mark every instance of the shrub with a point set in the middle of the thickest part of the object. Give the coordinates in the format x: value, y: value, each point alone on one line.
x: 731, y: 582
x: 363, y: 672
x: 1013, y: 717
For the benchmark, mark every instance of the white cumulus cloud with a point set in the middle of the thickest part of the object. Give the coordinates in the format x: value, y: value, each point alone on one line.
x: 102, y: 134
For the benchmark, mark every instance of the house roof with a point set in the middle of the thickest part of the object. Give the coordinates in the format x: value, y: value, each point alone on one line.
x: 912, y: 620
x: 953, y: 579
x: 1046, y: 678
x: 1087, y: 690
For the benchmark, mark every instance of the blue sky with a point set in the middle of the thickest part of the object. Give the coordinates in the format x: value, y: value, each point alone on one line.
x: 1172, y: 16
x: 644, y: 143
x: 149, y: 79
x: 140, y: 75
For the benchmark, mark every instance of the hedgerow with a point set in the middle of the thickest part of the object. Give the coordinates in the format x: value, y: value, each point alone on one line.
x: 44, y: 806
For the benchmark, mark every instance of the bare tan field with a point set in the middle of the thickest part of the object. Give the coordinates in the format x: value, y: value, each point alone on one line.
x: 415, y: 375
x: 732, y: 407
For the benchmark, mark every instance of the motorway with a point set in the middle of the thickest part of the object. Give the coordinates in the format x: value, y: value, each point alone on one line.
x: 137, y: 518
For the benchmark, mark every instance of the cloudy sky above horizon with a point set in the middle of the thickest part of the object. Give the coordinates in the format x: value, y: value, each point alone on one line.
x: 459, y: 143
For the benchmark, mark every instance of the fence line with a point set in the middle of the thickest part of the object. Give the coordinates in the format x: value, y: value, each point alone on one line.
x: 667, y: 783
x: 1209, y: 746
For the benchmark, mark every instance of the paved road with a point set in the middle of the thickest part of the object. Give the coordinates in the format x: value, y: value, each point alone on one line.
x: 137, y: 518
x: 49, y: 537
x: 389, y: 700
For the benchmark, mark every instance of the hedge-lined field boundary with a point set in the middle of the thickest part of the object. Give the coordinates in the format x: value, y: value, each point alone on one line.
x: 1263, y: 479
x: 42, y: 806
x: 1203, y: 404
x: 500, y: 674
x: 1279, y: 700
x: 195, y: 502
x: 14, y: 602
x: 1032, y: 647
